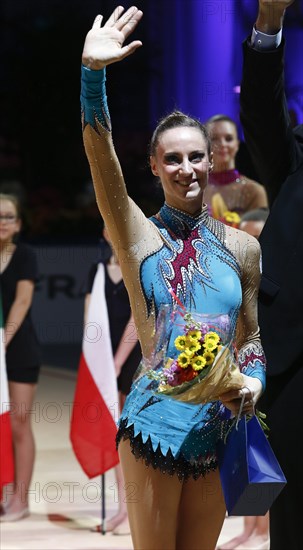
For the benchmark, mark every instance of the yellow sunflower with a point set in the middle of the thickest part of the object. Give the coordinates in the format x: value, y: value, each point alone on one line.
x: 183, y: 360
x: 231, y: 217
x: 198, y: 363
x: 209, y: 357
x: 211, y: 341
x: 194, y: 335
x: 192, y: 347
x: 212, y: 336
x: 180, y: 343
x: 209, y: 345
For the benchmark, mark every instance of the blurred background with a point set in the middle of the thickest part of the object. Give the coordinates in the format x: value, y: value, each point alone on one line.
x: 191, y: 59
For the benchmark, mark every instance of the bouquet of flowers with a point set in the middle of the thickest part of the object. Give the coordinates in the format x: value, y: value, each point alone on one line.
x: 193, y: 358
x: 220, y: 211
x: 230, y: 218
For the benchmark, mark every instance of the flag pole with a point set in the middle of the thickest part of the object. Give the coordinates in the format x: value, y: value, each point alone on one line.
x: 103, y: 507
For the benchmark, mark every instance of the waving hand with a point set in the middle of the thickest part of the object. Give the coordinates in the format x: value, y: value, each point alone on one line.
x: 104, y: 45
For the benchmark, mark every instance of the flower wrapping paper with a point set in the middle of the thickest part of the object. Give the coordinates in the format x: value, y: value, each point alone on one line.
x: 193, y: 358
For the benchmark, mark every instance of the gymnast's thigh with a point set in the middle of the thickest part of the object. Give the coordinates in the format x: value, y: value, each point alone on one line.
x: 153, y: 500
x: 201, y: 513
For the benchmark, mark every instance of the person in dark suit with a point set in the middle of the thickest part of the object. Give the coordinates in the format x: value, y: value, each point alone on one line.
x: 277, y: 151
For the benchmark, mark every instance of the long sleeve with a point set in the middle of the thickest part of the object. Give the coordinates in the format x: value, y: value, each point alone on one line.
x: 93, y: 98
x: 265, y: 119
x: 132, y: 235
x: 251, y: 356
x: 116, y: 208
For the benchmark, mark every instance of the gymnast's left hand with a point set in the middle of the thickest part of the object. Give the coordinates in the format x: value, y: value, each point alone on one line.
x: 251, y: 391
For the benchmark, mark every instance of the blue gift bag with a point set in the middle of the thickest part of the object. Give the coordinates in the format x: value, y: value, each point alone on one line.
x: 251, y: 476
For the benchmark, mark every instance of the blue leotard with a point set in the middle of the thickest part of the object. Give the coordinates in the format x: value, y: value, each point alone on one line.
x: 210, y: 267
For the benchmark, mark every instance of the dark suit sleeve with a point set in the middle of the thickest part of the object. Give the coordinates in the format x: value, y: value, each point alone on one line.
x: 265, y: 119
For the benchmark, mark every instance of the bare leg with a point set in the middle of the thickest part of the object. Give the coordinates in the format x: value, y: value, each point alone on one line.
x: 120, y: 523
x: 121, y: 515
x: 201, y: 514
x: 259, y: 538
x: 152, y: 501
x: 21, y: 398
x: 262, y: 525
x: 249, y: 526
x: 7, y: 493
x: 255, y: 535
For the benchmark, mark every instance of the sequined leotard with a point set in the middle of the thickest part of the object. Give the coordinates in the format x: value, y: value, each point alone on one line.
x: 211, y: 268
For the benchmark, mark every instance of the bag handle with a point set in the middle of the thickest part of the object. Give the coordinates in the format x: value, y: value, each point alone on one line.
x: 242, y: 405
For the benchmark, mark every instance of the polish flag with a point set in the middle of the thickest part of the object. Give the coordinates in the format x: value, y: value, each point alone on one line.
x: 95, y: 408
x: 6, y: 442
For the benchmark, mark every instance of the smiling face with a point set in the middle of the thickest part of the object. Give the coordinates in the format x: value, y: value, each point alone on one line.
x: 224, y: 144
x: 182, y: 163
x: 10, y: 224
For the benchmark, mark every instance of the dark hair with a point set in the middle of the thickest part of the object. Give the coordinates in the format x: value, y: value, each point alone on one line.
x: 14, y: 200
x: 220, y: 118
x: 176, y: 119
x: 255, y: 215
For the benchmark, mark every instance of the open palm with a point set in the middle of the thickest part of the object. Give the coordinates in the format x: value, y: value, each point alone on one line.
x: 104, y: 45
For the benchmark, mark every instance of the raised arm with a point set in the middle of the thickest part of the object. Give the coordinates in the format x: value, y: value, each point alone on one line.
x: 105, y: 45
x: 264, y: 112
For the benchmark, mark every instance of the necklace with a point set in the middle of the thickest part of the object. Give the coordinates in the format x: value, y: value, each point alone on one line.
x: 225, y: 177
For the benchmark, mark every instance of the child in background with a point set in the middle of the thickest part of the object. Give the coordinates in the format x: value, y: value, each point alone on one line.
x: 18, y: 274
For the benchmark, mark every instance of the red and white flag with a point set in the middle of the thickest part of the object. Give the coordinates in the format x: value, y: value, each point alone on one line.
x: 95, y: 409
x: 6, y: 442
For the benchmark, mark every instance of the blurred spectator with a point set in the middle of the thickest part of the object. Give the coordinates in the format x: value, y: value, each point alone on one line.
x: 228, y: 189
